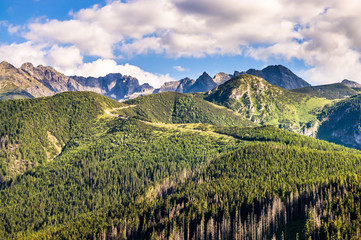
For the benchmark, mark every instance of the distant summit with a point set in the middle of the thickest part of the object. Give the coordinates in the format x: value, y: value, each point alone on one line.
x: 351, y: 84
x: 280, y: 76
x: 202, y: 84
x: 115, y: 85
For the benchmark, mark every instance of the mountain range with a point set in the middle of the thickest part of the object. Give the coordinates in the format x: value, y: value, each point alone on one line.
x: 29, y: 81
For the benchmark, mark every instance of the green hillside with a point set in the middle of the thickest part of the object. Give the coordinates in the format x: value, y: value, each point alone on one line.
x: 172, y: 107
x: 329, y: 91
x: 33, y: 131
x: 264, y: 103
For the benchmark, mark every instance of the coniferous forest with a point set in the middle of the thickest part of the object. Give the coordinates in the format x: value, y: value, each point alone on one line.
x: 81, y: 166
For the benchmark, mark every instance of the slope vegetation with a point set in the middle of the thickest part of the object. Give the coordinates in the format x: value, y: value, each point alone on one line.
x: 172, y: 107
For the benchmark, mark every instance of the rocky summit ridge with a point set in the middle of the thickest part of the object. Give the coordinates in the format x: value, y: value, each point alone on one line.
x: 30, y: 81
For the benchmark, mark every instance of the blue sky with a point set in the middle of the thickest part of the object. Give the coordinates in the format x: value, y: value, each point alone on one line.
x: 162, y: 40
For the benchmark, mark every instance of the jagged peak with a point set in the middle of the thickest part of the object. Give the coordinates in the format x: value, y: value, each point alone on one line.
x: 7, y: 65
x: 205, y: 74
x: 27, y: 67
x: 221, y: 78
x: 279, y: 66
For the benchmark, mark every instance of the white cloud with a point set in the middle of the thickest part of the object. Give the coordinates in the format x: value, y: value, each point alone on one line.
x: 64, y: 58
x: 180, y: 69
x: 17, y: 54
x: 322, y: 33
x: 13, y: 29
x: 90, y: 38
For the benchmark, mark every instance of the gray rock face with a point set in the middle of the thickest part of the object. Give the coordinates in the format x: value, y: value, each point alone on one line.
x: 51, y: 79
x: 115, y: 86
x: 186, y: 85
x: 203, y: 83
x: 180, y: 86
x: 351, y: 84
x: 280, y: 76
x: 14, y: 80
x: 221, y: 78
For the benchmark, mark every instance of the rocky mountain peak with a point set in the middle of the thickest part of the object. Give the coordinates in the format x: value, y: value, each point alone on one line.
x: 280, y: 76
x: 221, y: 78
x: 27, y: 67
x: 6, y: 65
x: 351, y: 84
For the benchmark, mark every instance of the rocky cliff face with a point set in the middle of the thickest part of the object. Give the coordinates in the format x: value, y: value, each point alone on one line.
x: 221, y: 78
x: 341, y: 123
x: 281, y: 76
x: 13, y: 80
x: 203, y: 83
x: 53, y: 80
x: 186, y: 85
x: 180, y: 86
x: 115, y: 86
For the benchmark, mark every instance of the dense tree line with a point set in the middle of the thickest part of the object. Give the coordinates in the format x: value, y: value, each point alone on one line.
x: 249, y: 193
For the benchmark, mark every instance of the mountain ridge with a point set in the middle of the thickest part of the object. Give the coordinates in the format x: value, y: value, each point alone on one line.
x: 41, y: 81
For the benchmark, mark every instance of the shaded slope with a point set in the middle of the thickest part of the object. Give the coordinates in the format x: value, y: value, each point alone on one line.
x: 329, y: 91
x: 341, y: 123
x: 202, y: 84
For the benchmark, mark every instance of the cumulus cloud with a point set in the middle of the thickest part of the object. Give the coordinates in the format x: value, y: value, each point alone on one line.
x: 17, y: 54
x: 180, y: 69
x: 322, y: 33
x: 64, y: 58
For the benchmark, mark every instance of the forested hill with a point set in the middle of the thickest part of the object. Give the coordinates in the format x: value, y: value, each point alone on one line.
x: 33, y: 131
x: 148, y: 168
